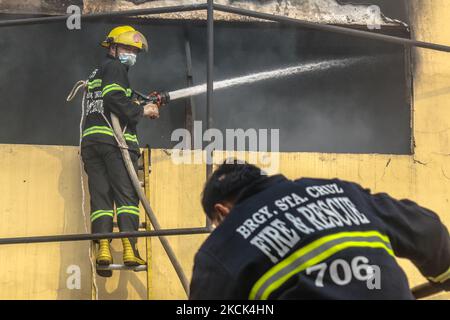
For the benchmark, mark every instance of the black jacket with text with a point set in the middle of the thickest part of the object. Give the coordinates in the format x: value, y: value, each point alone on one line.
x: 109, y: 91
x: 319, y: 239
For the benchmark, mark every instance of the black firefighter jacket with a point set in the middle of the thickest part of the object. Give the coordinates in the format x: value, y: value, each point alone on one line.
x: 319, y: 239
x: 109, y: 91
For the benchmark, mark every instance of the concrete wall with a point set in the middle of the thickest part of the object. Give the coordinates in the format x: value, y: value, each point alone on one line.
x: 40, y: 188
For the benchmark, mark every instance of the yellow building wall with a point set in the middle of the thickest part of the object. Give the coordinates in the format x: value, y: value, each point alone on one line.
x: 175, y: 198
x: 40, y: 194
x: 40, y: 190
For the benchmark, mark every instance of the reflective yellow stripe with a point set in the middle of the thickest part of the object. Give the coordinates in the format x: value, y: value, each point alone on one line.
x: 98, y: 128
x: 100, y: 213
x: 113, y: 87
x: 98, y: 131
x: 130, y: 137
x: 105, y: 92
x: 442, y: 277
x: 128, y: 207
x: 313, y: 254
x: 108, y: 131
x: 127, y: 138
x: 116, y: 87
x: 95, y: 84
x: 128, y: 211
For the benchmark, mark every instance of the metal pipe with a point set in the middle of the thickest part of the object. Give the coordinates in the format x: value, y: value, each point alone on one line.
x: 189, y: 104
x: 98, y: 236
x: 122, y: 267
x: 210, y: 64
x: 148, y: 209
x: 426, y: 290
x: 209, y: 85
x: 101, y: 15
x: 332, y: 28
x: 142, y: 225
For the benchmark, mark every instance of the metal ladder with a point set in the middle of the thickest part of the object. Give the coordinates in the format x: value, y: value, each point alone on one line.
x: 144, y: 172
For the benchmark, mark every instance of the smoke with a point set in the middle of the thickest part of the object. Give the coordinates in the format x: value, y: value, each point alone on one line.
x: 361, y: 108
x: 357, y: 108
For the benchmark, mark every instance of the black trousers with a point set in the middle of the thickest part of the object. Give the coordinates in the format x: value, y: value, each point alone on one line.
x: 110, y: 184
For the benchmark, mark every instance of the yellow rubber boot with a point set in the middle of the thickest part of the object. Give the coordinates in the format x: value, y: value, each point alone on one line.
x: 131, y: 256
x: 104, y: 257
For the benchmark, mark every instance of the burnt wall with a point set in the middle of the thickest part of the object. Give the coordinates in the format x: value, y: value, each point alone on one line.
x: 394, y: 9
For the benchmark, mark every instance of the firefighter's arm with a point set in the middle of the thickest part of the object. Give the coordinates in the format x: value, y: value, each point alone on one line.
x: 116, y: 98
x: 210, y: 281
x: 417, y: 234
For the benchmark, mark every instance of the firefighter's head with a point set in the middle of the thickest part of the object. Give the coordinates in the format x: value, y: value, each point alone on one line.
x: 124, y: 43
x: 226, y: 186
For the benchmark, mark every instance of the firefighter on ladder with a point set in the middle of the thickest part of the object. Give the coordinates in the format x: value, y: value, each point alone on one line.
x: 108, y: 91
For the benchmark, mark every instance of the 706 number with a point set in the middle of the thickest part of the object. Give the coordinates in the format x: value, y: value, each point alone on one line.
x: 358, y: 268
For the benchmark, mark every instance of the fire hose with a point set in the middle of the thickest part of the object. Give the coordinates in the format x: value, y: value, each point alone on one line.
x: 426, y: 290
x: 137, y: 186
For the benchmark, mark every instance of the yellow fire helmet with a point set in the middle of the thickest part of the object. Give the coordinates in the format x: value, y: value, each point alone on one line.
x: 126, y: 35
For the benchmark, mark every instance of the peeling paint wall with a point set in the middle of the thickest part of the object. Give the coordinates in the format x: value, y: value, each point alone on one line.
x: 37, y: 6
x: 323, y: 11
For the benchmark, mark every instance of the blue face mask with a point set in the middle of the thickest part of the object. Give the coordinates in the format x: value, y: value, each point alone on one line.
x: 128, y: 59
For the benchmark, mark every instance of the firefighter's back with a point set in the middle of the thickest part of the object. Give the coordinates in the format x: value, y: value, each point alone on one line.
x: 305, y: 239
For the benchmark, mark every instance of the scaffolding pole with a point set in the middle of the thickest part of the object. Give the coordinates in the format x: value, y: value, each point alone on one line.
x: 98, y: 236
x: 209, y: 86
x: 331, y: 28
x: 102, y: 15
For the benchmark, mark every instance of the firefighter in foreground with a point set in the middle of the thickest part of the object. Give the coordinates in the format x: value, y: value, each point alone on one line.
x: 109, y: 184
x: 312, y: 239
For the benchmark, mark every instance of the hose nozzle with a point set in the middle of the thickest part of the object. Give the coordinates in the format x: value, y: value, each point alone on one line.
x: 160, y: 98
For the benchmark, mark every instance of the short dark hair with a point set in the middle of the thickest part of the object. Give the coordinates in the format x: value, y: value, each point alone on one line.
x: 227, y: 182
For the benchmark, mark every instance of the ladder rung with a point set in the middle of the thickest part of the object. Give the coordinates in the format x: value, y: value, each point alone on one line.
x: 122, y: 267
x: 142, y: 225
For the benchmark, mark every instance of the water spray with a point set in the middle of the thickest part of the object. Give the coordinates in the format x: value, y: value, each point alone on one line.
x: 163, y: 98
